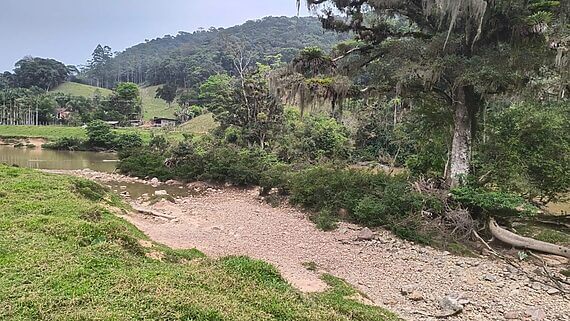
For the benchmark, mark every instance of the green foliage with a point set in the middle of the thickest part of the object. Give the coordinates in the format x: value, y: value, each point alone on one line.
x: 188, y: 59
x: 40, y: 72
x: 167, y: 93
x: 66, y: 143
x: 492, y: 202
x: 528, y: 150
x: 370, y: 199
x: 144, y: 163
x: 100, y: 135
x: 89, y: 189
x: 312, y: 138
x: 127, y: 141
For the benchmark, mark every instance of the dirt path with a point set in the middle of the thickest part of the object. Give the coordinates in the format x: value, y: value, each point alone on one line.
x: 405, y: 278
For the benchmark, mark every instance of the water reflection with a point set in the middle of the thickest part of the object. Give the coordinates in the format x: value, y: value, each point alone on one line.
x: 38, y: 158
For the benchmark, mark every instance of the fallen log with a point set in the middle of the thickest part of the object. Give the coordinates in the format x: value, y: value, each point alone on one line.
x: 524, y: 242
x: 153, y: 213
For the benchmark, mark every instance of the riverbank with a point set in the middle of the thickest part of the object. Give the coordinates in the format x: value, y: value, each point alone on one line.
x: 67, y: 253
x: 412, y: 280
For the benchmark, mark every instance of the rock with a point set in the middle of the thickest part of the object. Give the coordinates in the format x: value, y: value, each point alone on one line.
x: 408, y: 289
x: 172, y: 182
x: 535, y: 314
x: 365, y: 234
x: 154, y: 181
x: 511, y: 315
x: 122, y: 187
x: 416, y: 296
x: 217, y: 228
x: 490, y: 278
x: 453, y: 302
x: 161, y: 193
x: 553, y: 291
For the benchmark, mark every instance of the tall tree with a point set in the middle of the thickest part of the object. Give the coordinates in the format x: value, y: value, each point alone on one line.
x: 451, y: 48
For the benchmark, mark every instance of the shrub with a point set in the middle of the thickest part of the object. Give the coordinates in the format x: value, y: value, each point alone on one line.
x: 100, y: 135
x: 371, y: 199
x: 486, y: 202
x: 127, y: 141
x: 66, y: 143
x: 144, y: 163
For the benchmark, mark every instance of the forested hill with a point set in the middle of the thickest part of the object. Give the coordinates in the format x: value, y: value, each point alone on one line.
x: 188, y: 59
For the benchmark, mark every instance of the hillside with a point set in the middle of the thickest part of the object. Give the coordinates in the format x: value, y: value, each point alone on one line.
x: 153, y: 107
x: 76, y: 89
x: 187, y: 59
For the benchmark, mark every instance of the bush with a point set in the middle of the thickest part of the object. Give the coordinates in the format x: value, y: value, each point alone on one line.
x: 100, y: 135
x: 127, y: 141
x: 237, y: 165
x: 144, y: 163
x: 311, y: 139
x: 370, y: 199
x: 487, y: 202
x: 66, y: 143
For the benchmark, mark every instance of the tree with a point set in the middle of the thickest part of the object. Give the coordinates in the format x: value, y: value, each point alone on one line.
x: 455, y: 62
x: 167, y: 93
x: 40, y: 72
x: 248, y: 107
x: 99, y: 65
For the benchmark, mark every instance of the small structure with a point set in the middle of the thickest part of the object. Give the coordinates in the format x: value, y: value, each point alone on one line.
x: 62, y: 114
x: 163, y: 122
x: 113, y: 123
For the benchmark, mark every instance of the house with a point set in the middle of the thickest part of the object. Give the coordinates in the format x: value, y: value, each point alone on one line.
x: 62, y: 114
x: 164, y: 122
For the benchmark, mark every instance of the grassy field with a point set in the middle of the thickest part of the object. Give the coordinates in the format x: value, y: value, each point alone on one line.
x: 198, y: 125
x: 65, y: 256
x: 152, y: 107
x: 76, y: 89
x: 155, y: 107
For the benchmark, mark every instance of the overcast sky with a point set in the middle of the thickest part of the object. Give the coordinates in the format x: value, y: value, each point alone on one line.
x: 69, y: 30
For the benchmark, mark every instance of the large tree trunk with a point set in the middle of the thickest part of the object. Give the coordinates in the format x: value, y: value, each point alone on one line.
x: 460, y: 158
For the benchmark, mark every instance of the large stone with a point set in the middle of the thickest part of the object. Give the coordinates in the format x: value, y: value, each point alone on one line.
x: 453, y: 302
x: 154, y: 181
x: 535, y: 314
x: 161, y: 193
x: 365, y: 234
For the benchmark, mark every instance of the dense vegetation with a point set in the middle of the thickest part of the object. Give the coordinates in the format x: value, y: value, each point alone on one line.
x: 65, y: 256
x: 188, y: 59
x: 451, y: 105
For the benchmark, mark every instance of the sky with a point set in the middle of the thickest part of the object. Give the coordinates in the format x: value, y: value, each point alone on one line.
x: 69, y: 30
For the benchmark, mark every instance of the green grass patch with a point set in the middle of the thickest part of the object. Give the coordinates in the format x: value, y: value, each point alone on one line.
x: 201, y: 124
x: 155, y: 107
x: 76, y: 89
x: 65, y: 256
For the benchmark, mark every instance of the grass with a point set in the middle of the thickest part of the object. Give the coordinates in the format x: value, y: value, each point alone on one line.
x: 152, y: 107
x: 155, y: 107
x: 544, y: 233
x: 65, y: 256
x: 201, y: 124
x: 55, y: 132
x: 75, y: 89
x: 47, y: 132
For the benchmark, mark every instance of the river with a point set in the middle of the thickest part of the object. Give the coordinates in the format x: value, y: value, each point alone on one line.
x: 39, y: 158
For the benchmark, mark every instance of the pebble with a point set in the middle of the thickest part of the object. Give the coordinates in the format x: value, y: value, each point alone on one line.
x: 490, y: 278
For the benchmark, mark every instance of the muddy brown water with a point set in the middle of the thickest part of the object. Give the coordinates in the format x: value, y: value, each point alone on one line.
x: 39, y: 158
